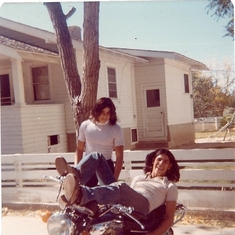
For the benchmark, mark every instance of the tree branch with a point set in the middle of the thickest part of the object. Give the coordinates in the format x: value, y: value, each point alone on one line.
x: 70, y: 13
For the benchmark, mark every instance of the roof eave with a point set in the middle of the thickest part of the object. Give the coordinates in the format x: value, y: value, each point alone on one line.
x: 193, y: 63
x: 136, y: 58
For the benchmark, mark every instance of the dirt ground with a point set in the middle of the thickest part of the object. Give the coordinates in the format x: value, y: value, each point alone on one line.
x: 205, y: 218
x: 210, y: 218
x: 209, y: 143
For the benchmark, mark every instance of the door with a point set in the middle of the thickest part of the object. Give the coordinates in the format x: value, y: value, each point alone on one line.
x: 153, y: 114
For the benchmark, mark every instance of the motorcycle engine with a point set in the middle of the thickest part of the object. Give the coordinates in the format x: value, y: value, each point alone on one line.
x: 107, y: 228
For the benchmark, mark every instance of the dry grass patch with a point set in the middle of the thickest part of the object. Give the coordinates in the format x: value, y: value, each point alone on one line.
x: 210, y: 218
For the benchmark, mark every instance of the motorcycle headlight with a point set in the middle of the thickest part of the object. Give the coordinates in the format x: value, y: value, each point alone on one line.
x: 60, y: 224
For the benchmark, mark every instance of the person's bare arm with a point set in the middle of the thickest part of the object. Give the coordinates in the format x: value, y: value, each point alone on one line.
x: 119, y: 161
x: 168, y: 221
x: 79, y: 152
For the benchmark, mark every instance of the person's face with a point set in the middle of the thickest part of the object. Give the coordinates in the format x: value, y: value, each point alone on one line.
x: 160, y: 165
x: 104, y: 116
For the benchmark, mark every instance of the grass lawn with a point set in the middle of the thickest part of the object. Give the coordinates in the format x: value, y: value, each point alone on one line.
x: 206, y: 134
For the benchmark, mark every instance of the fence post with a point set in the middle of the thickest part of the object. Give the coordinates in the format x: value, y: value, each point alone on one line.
x: 216, y: 123
x: 203, y: 125
x: 18, y: 170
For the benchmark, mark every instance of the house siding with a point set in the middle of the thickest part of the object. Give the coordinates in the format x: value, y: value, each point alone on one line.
x: 179, y: 104
x: 60, y: 95
x: 11, y: 130
x: 58, y: 91
x: 26, y: 128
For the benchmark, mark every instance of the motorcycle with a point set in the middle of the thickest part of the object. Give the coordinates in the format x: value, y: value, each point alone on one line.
x: 94, y: 219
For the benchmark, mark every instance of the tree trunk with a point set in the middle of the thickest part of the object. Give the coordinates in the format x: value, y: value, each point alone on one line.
x: 83, y: 93
x: 90, y: 57
x: 66, y: 54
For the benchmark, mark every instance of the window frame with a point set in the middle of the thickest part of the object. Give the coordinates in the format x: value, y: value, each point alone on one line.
x: 53, y: 140
x: 153, y: 98
x: 34, y: 84
x: 136, y: 134
x: 111, y: 82
x: 186, y: 84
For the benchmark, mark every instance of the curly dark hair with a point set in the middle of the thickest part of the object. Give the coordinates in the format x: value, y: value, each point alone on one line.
x: 101, y: 104
x: 173, y: 174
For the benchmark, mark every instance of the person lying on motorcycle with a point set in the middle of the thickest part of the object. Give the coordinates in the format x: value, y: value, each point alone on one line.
x: 145, y: 193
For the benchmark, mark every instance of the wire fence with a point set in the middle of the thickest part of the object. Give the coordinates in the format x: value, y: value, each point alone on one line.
x: 207, y: 124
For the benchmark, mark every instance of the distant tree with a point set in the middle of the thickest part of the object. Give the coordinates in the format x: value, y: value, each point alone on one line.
x: 224, y: 8
x: 210, y: 98
x: 202, y: 94
x: 82, y: 93
x: 223, y: 90
x: 220, y: 101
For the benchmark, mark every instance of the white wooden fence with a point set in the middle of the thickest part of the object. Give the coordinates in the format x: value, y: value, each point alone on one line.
x: 207, y: 177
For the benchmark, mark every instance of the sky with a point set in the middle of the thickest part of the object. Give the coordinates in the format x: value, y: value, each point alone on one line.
x: 182, y: 26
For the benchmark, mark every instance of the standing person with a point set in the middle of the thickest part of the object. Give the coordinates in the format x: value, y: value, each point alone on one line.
x: 146, y: 193
x: 101, y: 133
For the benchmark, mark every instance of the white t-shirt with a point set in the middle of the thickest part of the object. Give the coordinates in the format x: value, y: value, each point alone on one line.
x: 101, y: 138
x: 157, y: 190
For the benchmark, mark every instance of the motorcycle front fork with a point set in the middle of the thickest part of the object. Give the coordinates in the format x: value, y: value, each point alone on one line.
x: 169, y: 232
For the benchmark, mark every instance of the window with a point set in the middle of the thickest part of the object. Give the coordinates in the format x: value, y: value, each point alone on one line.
x: 153, y: 98
x: 186, y: 83
x: 53, y: 140
x: 134, y: 136
x: 41, y: 83
x: 5, y: 89
x: 112, y: 83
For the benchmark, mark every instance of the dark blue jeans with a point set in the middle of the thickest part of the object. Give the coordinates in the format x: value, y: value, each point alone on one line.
x: 109, y: 191
x: 93, y: 181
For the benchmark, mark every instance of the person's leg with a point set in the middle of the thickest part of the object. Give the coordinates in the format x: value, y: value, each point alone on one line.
x: 89, y: 165
x: 95, y: 163
x: 115, y: 193
x: 93, y: 181
x: 111, y: 165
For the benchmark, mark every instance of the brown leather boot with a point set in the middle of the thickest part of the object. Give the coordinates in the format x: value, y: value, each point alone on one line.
x: 64, y: 168
x: 72, y: 192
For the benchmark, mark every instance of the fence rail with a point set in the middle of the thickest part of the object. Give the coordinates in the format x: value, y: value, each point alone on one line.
x: 207, y: 176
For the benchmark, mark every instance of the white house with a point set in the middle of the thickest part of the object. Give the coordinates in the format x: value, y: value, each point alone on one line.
x: 152, y: 92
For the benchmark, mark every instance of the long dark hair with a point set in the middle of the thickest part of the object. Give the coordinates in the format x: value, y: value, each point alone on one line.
x: 173, y: 174
x: 101, y: 104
